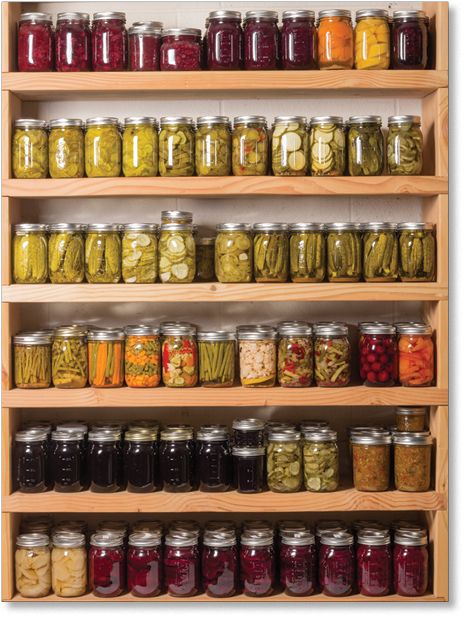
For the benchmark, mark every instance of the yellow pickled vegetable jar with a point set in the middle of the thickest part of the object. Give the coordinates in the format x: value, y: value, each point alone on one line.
x: 372, y: 39
x: 250, y: 146
x: 102, y: 148
x: 233, y: 256
x: 66, y: 148
x: 290, y: 145
x: 335, y: 39
x: 140, y: 253
x: 213, y: 144
x: 176, y: 146
x: 176, y: 253
x: 30, y: 253
x: 140, y: 146
x: 30, y: 148
x: 66, y: 252
x: 33, y: 565
x: 327, y: 143
x: 103, y: 253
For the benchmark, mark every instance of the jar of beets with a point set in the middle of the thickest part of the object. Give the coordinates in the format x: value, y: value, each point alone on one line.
x: 144, y: 48
x: 374, y: 562
x: 73, y: 42
x: 257, y: 563
x: 107, y: 566
x: 177, y: 459
x: 182, y: 564
x: 261, y: 41
x: 410, y: 563
x: 213, y: 458
x: 409, y: 40
x: 224, y: 41
x: 337, y: 564
x: 298, y: 40
x: 109, y: 41
x: 219, y: 563
x: 298, y: 563
x: 378, y: 355
x: 35, y: 42
x: 180, y: 49
x: 144, y: 564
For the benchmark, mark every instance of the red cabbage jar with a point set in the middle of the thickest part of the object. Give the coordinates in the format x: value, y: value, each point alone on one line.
x: 224, y: 41
x: 374, y: 563
x: 73, y: 42
x: 144, y: 48
x: 35, y: 42
x: 257, y: 564
x: 107, y: 564
x: 180, y: 49
x: 298, y: 563
x: 182, y: 564
x: 410, y: 563
x: 378, y: 355
x: 261, y: 41
x: 298, y: 40
x: 336, y: 564
x: 109, y: 42
x: 144, y: 564
x: 409, y: 40
x: 219, y: 564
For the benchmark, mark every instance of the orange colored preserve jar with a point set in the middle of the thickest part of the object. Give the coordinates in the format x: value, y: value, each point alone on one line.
x: 335, y: 39
x: 416, y: 354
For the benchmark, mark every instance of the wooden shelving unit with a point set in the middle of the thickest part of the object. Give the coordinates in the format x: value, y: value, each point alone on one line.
x: 19, y: 302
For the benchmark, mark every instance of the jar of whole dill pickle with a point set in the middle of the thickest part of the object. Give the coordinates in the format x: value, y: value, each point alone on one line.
x: 417, y: 252
x: 69, y: 357
x: 102, y: 147
x: 213, y: 146
x: 176, y: 253
x: 233, y: 256
x: 307, y: 252
x: 216, y: 353
x: 30, y: 253
x: 176, y: 216
x: 270, y: 252
x: 32, y: 360
x: 404, y: 146
x: 176, y: 146
x: 66, y: 148
x: 250, y: 146
x: 290, y: 146
x: 66, y: 252
x: 343, y: 252
x: 103, y: 253
x: 140, y: 146
x: 365, y: 146
x: 327, y: 146
x: 30, y: 148
x: 106, y: 357
x: 139, y: 253
x: 204, y: 248
x: 380, y: 252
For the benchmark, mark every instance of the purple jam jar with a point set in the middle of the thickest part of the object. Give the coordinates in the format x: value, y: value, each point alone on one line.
x: 298, y: 563
x: 374, y: 562
x: 182, y: 564
x: 35, y: 42
x: 180, y: 49
x: 107, y: 564
x: 261, y: 41
x: 257, y: 563
x: 73, y: 42
x: 298, y: 40
x: 224, y: 41
x: 219, y: 564
x: 109, y: 42
x: 144, y: 564
x: 410, y: 563
x: 144, y: 48
x: 336, y: 564
x: 409, y: 40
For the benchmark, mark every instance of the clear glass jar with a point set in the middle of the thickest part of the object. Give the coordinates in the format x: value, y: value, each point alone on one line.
x: 290, y: 146
x: 213, y: 463
x: 213, y: 146
x: 409, y: 40
x: 378, y: 355
x: 410, y: 419
x: 413, y: 460
x: 416, y: 354
x: 410, y: 563
x: 298, y: 40
x: 336, y: 564
x: 32, y: 360
x: 30, y: 248
x: 321, y: 460
x: 307, y: 252
x: 30, y: 149
x: 67, y: 461
x: 31, y: 461
x: 248, y: 432
x: 335, y: 39
x: 380, y: 252
x: 204, y: 249
x: 142, y: 356
x: 365, y: 146
x: 417, y: 247
x: 327, y: 146
x: 140, y: 461
x: 271, y: 252
x: 109, y: 41
x: 107, y: 577
x: 233, y: 256
x: 66, y: 252
x: 176, y: 253
x: 219, y: 563
x: 180, y: 356
x: 372, y: 40
x: 344, y: 253
x: 224, y: 41
x: 180, y: 49
x: 176, y: 146
x: 374, y: 563
x: 35, y: 42
x: 102, y: 147
x: 182, y: 565
x: 295, y: 363
x: 73, y: 42
x: 144, y: 564
x: 284, y: 461
x: 104, y: 460
x: 139, y: 246
x: 144, y: 48
x: 371, y: 461
x: 177, y: 459
x: 217, y: 358
x: 332, y: 355
x: 249, y: 469
x: 33, y: 565
x: 257, y: 564
x: 66, y: 148
x: 69, y: 357
x: 404, y: 146
x: 69, y: 565
x: 106, y: 358
x: 298, y: 563
x: 250, y: 146
x: 103, y: 253
x: 140, y: 146
x: 261, y: 40
x: 257, y: 356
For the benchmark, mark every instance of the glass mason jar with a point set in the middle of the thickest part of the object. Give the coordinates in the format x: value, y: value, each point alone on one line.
x: 327, y: 146
x: 417, y: 249
x: 204, y: 259
x: 66, y: 252
x: 69, y: 564
x: 180, y: 356
x: 109, y: 41
x: 261, y: 40
x: 371, y: 461
x: 213, y: 458
x: 404, y: 146
x: 213, y: 146
x: 177, y: 459
x: 102, y: 147
x: 176, y: 146
x: 284, y: 461
x: 103, y: 253
x: 216, y: 351
x: 68, y: 461
x: 321, y: 460
x: 73, y: 42
x: 35, y: 42
x: 374, y: 563
x: 290, y: 146
x: 30, y: 149
x: 336, y: 563
x: 380, y: 252
x: 233, y: 256
x: 140, y: 146
x: 30, y: 248
x: 224, y: 41
x: 257, y: 563
x: 344, y: 254
x: 176, y: 253
x: 31, y: 461
x: 69, y: 357
x: 409, y: 40
x: 298, y: 563
x: 307, y: 252
x: 416, y: 354
x: 66, y: 148
x: 410, y: 563
x: 413, y: 460
x: 181, y: 565
x: 180, y: 49
x: 219, y: 563
x: 248, y: 432
x: 378, y: 355
x: 298, y: 40
x: 106, y: 358
x: 271, y: 249
x: 104, y: 460
x: 32, y: 360
x: 295, y: 364
x: 410, y: 419
x: 332, y: 355
x: 139, y: 253
x: 365, y: 146
x: 250, y: 146
x: 33, y: 565
x: 249, y: 469
x: 372, y: 39
x: 144, y: 564
x: 142, y: 356
x: 140, y: 461
x: 335, y: 39
x: 257, y: 356
x: 144, y: 48
x: 107, y: 564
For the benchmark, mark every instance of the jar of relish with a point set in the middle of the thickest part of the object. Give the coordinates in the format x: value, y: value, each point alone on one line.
x: 298, y: 40
x: 144, y: 48
x: 224, y: 40
x: 374, y: 562
x: 180, y: 49
x: 109, y: 41
x: 35, y: 42
x: 409, y: 40
x: 73, y: 42
x: 378, y: 355
x: 261, y: 41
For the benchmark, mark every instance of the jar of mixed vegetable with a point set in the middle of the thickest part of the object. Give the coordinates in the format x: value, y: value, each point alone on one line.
x: 35, y: 42
x: 371, y: 461
x: 176, y: 146
x: 261, y: 40
x: 179, y: 356
x: 180, y: 49
x: 66, y: 252
x: 69, y: 357
x: 176, y: 253
x: 32, y: 360
x: 380, y: 252
x: 213, y: 146
x: 257, y: 355
x: 295, y: 366
x: 284, y: 461
x: 140, y: 146
x: 378, y: 355
x: 327, y: 146
x: 250, y: 146
x: 270, y: 252
x: 332, y: 355
x: 417, y: 252
x: 216, y: 351
x: 290, y: 143
x: 144, y: 47
x: 106, y: 357
x: 416, y: 354
x: 307, y: 252
x: 365, y: 146
x: 66, y: 148
x: 372, y: 40
x: 73, y: 42
x: 404, y: 146
x: 344, y: 252
x: 30, y: 246
x: 335, y: 39
x: 30, y: 148
x: 103, y: 253
x: 412, y: 460
x: 142, y: 356
x: 109, y: 41
x: 298, y: 40
x: 233, y: 256
x: 409, y: 40
x: 139, y: 253
x: 410, y: 419
x: 321, y: 460
x: 102, y: 147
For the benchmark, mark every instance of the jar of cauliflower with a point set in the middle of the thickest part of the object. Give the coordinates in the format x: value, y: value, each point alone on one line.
x: 257, y: 354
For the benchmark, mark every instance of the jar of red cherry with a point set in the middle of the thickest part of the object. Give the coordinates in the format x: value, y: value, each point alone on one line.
x: 35, y: 42
x: 219, y: 565
x: 298, y: 563
x: 261, y: 40
x: 298, y: 40
x: 73, y: 42
x: 107, y: 564
x: 144, y: 564
x: 374, y: 562
x: 409, y: 40
x: 109, y: 41
x: 336, y: 564
x: 144, y: 48
x: 410, y: 563
x: 224, y: 40
x: 181, y: 564
x: 180, y: 49
x: 257, y: 563
x: 378, y: 354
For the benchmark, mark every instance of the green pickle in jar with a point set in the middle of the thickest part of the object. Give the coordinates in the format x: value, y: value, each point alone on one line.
x: 204, y: 248
x: 140, y: 146
x: 417, y: 252
x: 30, y: 247
x: 307, y: 252
x: 270, y: 255
x: 66, y: 252
x: 32, y: 360
x: 102, y: 147
x: 30, y: 149
x: 321, y: 460
x: 69, y: 357
x: 250, y: 146
x: 365, y: 146
x: 139, y: 253
x: 295, y: 367
x: 404, y: 146
x: 327, y: 146
x: 103, y: 253
x: 233, y: 255
x: 290, y: 146
x: 332, y: 355
x: 344, y: 252
x: 380, y: 252
x: 66, y: 148
x: 216, y: 352
x: 284, y: 461
x: 176, y: 253
x: 176, y: 146
x: 213, y: 146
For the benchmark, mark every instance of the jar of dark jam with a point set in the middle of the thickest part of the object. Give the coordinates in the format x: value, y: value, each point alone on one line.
x: 261, y: 40
x: 35, y: 42
x: 410, y: 563
x: 409, y: 40
x: 224, y: 41
x: 68, y: 461
x: 298, y: 563
x: 180, y: 49
x: 104, y: 460
x: 30, y: 461
x: 109, y: 41
x: 298, y: 40
x: 73, y: 42
x: 248, y: 469
x: 181, y: 565
x: 378, y: 355
x: 144, y: 564
x: 248, y: 432
x: 219, y: 563
x: 107, y: 564
x: 336, y: 564
x: 144, y: 48
x: 141, y: 461
x: 213, y: 459
x: 374, y: 562
x: 257, y: 563
x: 177, y: 459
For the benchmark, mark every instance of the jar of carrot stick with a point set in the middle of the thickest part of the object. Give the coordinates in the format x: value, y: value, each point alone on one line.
x: 142, y: 356
x: 106, y: 357
x: 416, y: 354
x: 335, y: 39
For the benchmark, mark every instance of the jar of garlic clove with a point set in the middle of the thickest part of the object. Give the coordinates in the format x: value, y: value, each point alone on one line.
x: 69, y: 564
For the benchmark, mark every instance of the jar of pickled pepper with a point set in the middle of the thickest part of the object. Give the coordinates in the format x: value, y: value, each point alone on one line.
x: 176, y: 146
x: 139, y: 253
x: 372, y: 40
x: 270, y: 252
x: 290, y: 146
x: 298, y: 40
x: 30, y: 248
x: 261, y: 40
x: 109, y: 41
x: 213, y: 146
x: 404, y: 146
x: 410, y: 419
x: 66, y: 148
x: 144, y: 47
x: 180, y: 49
x: 35, y: 42
x: 344, y: 252
x: 73, y: 42
x: 142, y: 356
x: 417, y: 248
x: 233, y: 254
x: 327, y: 146
x: 32, y: 360
x: 335, y: 39
x: 106, y: 357
x: 180, y: 356
x: 204, y: 250
x: 295, y: 366
x: 409, y: 40
x: 250, y: 146
x: 177, y: 255
x: 371, y: 461
x: 103, y: 253
x: 307, y: 252
x: 365, y: 146
x: 102, y: 147
x: 69, y: 357
x: 378, y: 355
x: 332, y: 354
x: 380, y: 252
x: 30, y: 148
x: 416, y: 354
x: 284, y: 461
x: 140, y: 146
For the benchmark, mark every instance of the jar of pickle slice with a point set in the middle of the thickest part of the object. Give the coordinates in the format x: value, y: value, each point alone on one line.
x: 365, y: 146
x: 307, y: 252
x: 176, y: 253
x: 410, y: 419
x: 176, y: 146
x: 270, y: 252
x: 417, y: 248
x: 261, y: 40
x: 32, y: 360
x: 250, y: 146
x: 180, y: 356
x: 216, y: 351
x: 140, y: 146
x: 204, y: 249
x: 66, y: 252
x: 295, y: 367
x: 176, y: 216
x: 35, y: 42
x: 213, y: 146
x: 371, y: 461
x: 332, y: 355
x: 69, y: 565
x: 142, y: 356
x: 335, y: 39
x: 290, y: 146
x: 106, y: 358
x: 233, y: 257
x: 372, y: 40
x: 416, y: 352
x: 412, y: 460
x: 66, y: 148
x: 32, y: 565
x: 404, y: 146
x: 103, y: 253
x: 380, y: 252
x: 257, y: 356
x: 102, y: 147
x: 327, y: 146
x: 284, y: 461
x: 321, y: 460
x: 69, y: 358
x: 139, y: 253
x: 409, y: 40
x: 30, y: 247
x: 30, y: 148
x: 344, y: 252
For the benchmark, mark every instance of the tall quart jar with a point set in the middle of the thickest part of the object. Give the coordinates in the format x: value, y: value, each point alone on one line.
x: 68, y: 461
x: 176, y: 146
x: 69, y: 564
x: 102, y: 147
x: 106, y: 357
x: 213, y: 146
x: 413, y: 460
x: 270, y: 252
x: 30, y: 248
x: 224, y: 41
x: 378, y: 355
x: 140, y: 461
x: 344, y: 254
x: 179, y: 356
x: 142, y: 356
x: 180, y: 49
x: 177, y: 459
x: 216, y: 351
x: 103, y: 253
x: 140, y: 146
x: 416, y: 354
x: 30, y: 149
x: 321, y: 460
x: 33, y: 565
x: 335, y: 39
x: 365, y: 146
x: 298, y: 40
x: 107, y: 572
x: 250, y: 146
x: 261, y: 40
x: 295, y: 359
x: 144, y: 48
x: 298, y: 563
x: 66, y: 148
x: 139, y: 246
x: 284, y: 461
x: 35, y: 42
x: 374, y: 562
x: 410, y: 563
x: 332, y: 355
x: 327, y: 146
x: 372, y: 40
x: 404, y: 146
x: 380, y: 252
x: 32, y: 360
x: 257, y: 563
x: 66, y: 252
x: 290, y: 146
x: 233, y: 255
x: 409, y: 40
x: 176, y: 253
x: 144, y: 564
x: 181, y: 564
x: 204, y: 259
x: 31, y: 461
x: 69, y: 357
x: 73, y: 42
x: 417, y: 247
x: 257, y: 356
x: 307, y: 252
x: 337, y: 564
x: 371, y: 461
x: 104, y: 460
x: 109, y: 41
x: 213, y: 458
x: 219, y: 563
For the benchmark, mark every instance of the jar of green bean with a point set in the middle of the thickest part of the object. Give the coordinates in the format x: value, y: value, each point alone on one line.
x: 32, y: 360
x: 69, y: 357
x: 216, y: 350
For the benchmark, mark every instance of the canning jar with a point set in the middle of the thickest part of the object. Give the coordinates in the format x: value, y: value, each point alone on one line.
x: 30, y: 148
x: 33, y: 565
x: 250, y: 146
x: 204, y: 259
x: 66, y: 148
x: 257, y: 563
x: 142, y: 352
x: 107, y: 564
x: 371, y: 461
x: 140, y: 461
x: 261, y: 40
x: 307, y: 252
x: 365, y: 146
x: 410, y: 563
x: 73, y: 42
x: 66, y: 252
x: 332, y: 355
x: 290, y: 146
x: 410, y: 419
x: 336, y: 563
x: 284, y: 461
x: 139, y: 246
x: 372, y: 39
x: 380, y: 252
x: 144, y: 48
x: 378, y: 355
x: 176, y: 216
x: 176, y: 146
x: 270, y: 252
x: 181, y: 564
x: 298, y: 40
x: 69, y: 357
x: 103, y: 253
x: 374, y: 562
x: 213, y: 458
x: 224, y: 41
x: 180, y: 49
x: 298, y: 562
x: 109, y: 41
x: 257, y: 356
x: 67, y: 461
x: 417, y: 252
x: 140, y: 146
x: 69, y: 564
x: 248, y: 469
x: 102, y: 147
x: 30, y: 253
x: 177, y: 459
x: 216, y: 350
x: 327, y: 146
x: 344, y: 254
x: 31, y: 461
x: 409, y: 40
x: 104, y: 460
x: 213, y: 146
x: 233, y: 255
x: 416, y: 354
x: 248, y: 432
x: 321, y: 460
x: 335, y: 39
x: 35, y: 42
x: 404, y: 146
x: 219, y: 563
x: 413, y: 460
x: 144, y: 564
x: 180, y: 356
x: 32, y: 360
x: 106, y: 357
x: 295, y: 366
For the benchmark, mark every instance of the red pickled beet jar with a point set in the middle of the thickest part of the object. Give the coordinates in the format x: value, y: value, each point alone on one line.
x: 224, y: 40
x: 73, y: 42
x: 35, y: 42
x: 298, y: 563
x: 144, y: 564
x: 378, y: 354
x: 181, y: 50
x: 261, y: 41
x: 409, y: 40
x: 374, y: 563
x: 107, y: 564
x: 219, y: 564
x: 410, y: 563
x: 257, y: 564
x: 144, y: 48
x: 182, y: 565
x: 109, y: 42
x: 336, y: 564
x: 298, y: 40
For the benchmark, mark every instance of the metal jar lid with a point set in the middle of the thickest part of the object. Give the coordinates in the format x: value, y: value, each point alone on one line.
x: 373, y: 537
x: 235, y: 15
x: 215, y: 335
x: 330, y: 329
x: 374, y: 226
x: 71, y: 331
x: 284, y: 435
x: 213, y: 433
x: 248, y: 424
x: 346, y: 226
x: 67, y: 227
x: 31, y: 435
x: 30, y: 123
x: 373, y: 429
x: 181, y: 32
x: 330, y: 525
x: 144, y: 539
x: 248, y: 451
x: 257, y: 334
x: 32, y: 539
x: 176, y: 227
x: 270, y: 227
x: 31, y: 227
x: 102, y: 120
x: 410, y: 537
x: 140, y: 227
x: 309, y: 425
x: 261, y: 15
x: 324, y: 435
x: 303, y: 14
x: 404, y: 119
x: 140, y: 120
x: 32, y: 339
x: 145, y: 29
x: 377, y: 329
x: 106, y: 539
x: 291, y: 525
x: 317, y: 120
x: 202, y: 120
x: 175, y: 215
x: 186, y: 330
x: 287, y: 119
x: 408, y: 14
x: 103, y: 227
x: 233, y: 227
x: 307, y: 227
x: 371, y: 13
x: 251, y: 539
x: 337, y: 538
x: 109, y: 15
x: 107, y: 334
x: 104, y: 435
x: 35, y: 17
x: 177, y: 434
x: 413, y: 328
x: 250, y: 119
x: 219, y: 538
x: 62, y: 123
x: 135, y: 435
x: 70, y: 16
x: 334, y: 13
x: 219, y: 525
x: 404, y: 411
x: 298, y: 538
x: 413, y: 438
x: 72, y: 426
x: 295, y: 329
x: 365, y: 120
x: 413, y: 226
x: 186, y: 539
x: 67, y: 436
x: 364, y: 524
x: 149, y: 24
x: 142, y: 329
x: 370, y: 439
x: 68, y: 539
x: 117, y: 526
